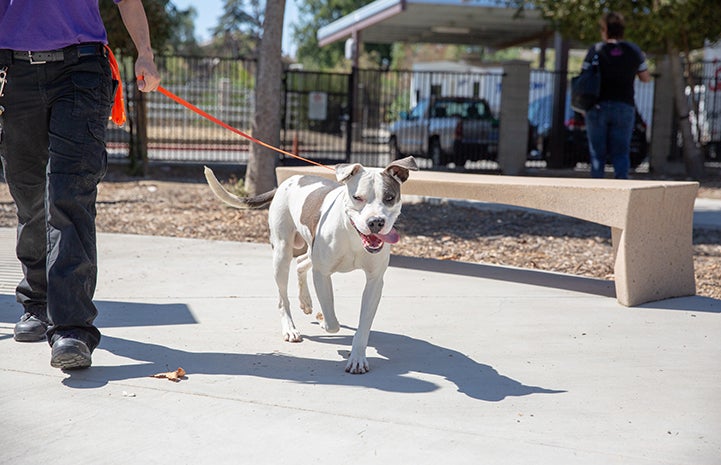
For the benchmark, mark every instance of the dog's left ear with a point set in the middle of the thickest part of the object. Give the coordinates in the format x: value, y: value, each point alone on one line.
x: 399, y: 169
x: 345, y: 171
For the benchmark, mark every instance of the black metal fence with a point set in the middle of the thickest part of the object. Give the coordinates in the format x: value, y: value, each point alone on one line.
x: 315, y: 112
x: 222, y: 87
x: 347, y: 116
x: 705, y: 104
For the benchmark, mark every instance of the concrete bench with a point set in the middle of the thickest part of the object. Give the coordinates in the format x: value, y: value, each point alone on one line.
x: 651, y: 221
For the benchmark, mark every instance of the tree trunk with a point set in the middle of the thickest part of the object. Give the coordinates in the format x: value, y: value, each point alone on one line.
x: 692, y: 156
x: 260, y: 176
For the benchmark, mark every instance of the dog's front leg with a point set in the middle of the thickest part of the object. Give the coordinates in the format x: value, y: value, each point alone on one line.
x: 324, y: 291
x: 357, y: 363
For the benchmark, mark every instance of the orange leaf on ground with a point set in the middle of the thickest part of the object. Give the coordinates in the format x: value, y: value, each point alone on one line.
x: 174, y: 376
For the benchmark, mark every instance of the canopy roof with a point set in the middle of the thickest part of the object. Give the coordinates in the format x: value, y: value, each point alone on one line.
x: 472, y: 22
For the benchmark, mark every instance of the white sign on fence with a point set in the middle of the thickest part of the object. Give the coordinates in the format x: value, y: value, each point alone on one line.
x: 317, y: 105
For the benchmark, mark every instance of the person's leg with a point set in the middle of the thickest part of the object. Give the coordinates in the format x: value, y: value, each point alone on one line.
x: 596, y: 131
x: 80, y: 109
x: 24, y: 151
x: 619, y: 138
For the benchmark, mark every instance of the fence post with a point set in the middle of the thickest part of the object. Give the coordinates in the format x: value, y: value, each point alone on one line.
x: 662, y: 134
x: 557, y: 156
x: 138, y: 147
x: 513, y: 131
x: 142, y: 108
x: 350, y: 120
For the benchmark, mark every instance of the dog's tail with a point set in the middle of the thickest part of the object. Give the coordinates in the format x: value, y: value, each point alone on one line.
x: 232, y: 199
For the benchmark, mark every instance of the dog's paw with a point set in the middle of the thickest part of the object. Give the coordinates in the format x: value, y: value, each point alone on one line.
x: 292, y: 336
x: 290, y: 333
x: 357, y: 365
x: 306, y: 306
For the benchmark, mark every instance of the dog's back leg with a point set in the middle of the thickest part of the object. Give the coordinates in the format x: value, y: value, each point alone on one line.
x: 324, y: 291
x: 303, y: 265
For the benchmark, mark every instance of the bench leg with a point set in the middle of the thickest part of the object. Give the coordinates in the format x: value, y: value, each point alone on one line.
x: 654, y: 253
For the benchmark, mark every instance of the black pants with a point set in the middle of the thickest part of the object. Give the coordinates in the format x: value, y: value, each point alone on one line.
x: 52, y: 144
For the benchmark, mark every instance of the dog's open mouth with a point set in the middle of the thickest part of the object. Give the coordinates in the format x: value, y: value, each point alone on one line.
x: 374, y: 242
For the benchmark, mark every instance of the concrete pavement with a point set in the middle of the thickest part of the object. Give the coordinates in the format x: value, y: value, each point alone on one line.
x: 470, y: 364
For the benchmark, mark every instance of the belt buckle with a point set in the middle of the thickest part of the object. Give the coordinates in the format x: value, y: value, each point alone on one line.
x: 33, y: 61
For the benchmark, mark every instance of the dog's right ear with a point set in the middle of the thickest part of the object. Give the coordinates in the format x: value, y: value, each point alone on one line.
x: 345, y: 171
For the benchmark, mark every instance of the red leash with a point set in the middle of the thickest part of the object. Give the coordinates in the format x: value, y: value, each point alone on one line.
x: 212, y: 118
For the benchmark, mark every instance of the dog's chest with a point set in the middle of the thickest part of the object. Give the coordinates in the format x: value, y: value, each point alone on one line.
x: 313, y: 207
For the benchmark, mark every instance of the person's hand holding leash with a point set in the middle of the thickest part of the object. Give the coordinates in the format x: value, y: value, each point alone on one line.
x: 136, y: 22
x: 146, y: 74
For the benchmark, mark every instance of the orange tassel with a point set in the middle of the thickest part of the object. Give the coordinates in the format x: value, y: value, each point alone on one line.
x: 117, y: 114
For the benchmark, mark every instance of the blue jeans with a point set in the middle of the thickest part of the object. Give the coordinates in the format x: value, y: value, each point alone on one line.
x: 609, y: 126
x: 52, y: 144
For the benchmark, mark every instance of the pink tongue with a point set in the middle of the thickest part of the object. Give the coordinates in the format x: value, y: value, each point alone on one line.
x: 392, y: 237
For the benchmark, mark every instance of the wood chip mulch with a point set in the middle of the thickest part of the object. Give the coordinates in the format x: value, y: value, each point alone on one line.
x: 441, y: 230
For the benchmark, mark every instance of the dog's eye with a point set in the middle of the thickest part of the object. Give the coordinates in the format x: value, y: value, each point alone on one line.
x: 389, y: 198
x: 358, y: 198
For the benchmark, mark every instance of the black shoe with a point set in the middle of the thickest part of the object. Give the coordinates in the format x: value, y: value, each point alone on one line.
x: 30, y: 329
x: 69, y: 353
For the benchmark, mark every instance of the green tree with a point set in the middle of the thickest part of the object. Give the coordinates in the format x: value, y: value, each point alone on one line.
x: 239, y: 28
x: 183, y: 41
x: 318, y: 13
x: 163, y: 17
x: 662, y: 27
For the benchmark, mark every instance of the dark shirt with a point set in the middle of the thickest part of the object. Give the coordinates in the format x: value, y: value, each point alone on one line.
x: 619, y: 62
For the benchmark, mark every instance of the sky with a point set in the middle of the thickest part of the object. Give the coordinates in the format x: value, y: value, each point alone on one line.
x: 210, y: 10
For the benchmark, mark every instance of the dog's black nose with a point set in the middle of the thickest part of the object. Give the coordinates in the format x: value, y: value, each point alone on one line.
x: 376, y: 224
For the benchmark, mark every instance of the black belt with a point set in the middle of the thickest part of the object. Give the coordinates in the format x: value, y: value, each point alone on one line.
x: 67, y: 53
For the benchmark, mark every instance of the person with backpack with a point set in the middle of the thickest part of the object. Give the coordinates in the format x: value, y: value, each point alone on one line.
x: 609, y: 123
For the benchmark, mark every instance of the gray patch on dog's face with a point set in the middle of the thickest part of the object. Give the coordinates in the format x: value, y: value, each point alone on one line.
x: 310, y: 215
x: 391, y: 190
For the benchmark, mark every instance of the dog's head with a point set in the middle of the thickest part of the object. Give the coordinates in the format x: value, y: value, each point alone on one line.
x: 373, y: 202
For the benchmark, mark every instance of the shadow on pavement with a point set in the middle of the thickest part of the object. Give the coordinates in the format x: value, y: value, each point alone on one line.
x: 566, y: 282
x: 393, y: 371
x: 516, y: 275
x: 405, y: 356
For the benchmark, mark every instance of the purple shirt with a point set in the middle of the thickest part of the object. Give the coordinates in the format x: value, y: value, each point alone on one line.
x: 49, y: 24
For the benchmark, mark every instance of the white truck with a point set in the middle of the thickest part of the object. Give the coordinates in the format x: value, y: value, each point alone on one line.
x: 446, y: 130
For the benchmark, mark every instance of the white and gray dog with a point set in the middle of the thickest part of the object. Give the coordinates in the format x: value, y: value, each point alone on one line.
x: 332, y: 227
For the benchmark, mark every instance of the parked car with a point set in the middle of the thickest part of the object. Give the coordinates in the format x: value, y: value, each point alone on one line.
x: 540, y: 120
x: 446, y: 129
x: 575, y: 139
